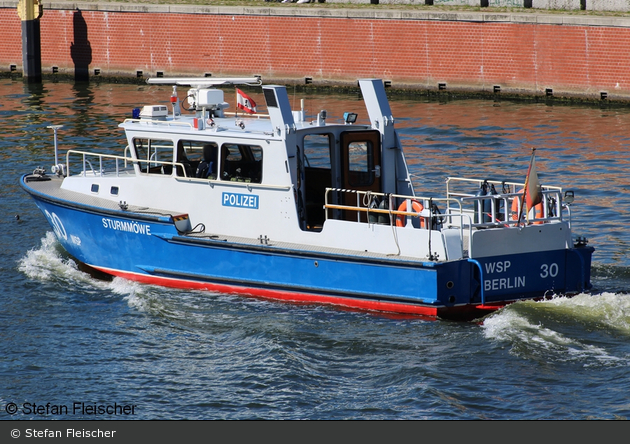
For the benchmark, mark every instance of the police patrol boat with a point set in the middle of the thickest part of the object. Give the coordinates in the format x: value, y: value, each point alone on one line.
x: 306, y: 210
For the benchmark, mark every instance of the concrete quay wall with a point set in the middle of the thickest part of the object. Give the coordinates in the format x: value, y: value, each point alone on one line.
x: 524, y: 53
x: 563, y: 5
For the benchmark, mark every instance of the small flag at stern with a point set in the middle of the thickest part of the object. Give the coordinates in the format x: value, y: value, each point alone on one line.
x: 533, y: 193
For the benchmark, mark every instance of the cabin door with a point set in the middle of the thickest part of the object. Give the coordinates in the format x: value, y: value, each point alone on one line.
x: 360, y: 166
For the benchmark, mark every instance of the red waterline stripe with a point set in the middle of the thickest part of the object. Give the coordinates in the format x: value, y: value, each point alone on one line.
x: 276, y: 294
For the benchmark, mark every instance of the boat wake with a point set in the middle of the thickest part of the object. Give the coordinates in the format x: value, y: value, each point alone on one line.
x: 50, y: 264
x: 592, y: 329
x: 610, y: 278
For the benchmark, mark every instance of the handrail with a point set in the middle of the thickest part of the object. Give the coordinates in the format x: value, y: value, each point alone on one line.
x: 390, y: 196
x: 207, y: 128
x: 494, y: 217
x: 236, y: 114
x: 498, y: 217
x: 476, y: 262
x: 227, y: 183
x: 84, y: 161
x: 159, y: 122
x: 393, y: 212
x: 459, y: 203
x: 85, y: 154
x: 494, y: 182
x: 126, y: 159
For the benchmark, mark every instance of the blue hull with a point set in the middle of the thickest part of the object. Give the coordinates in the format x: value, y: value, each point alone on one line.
x: 148, y: 248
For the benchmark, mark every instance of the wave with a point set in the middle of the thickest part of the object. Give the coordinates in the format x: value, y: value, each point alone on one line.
x: 50, y: 263
x: 610, y: 278
x: 592, y: 329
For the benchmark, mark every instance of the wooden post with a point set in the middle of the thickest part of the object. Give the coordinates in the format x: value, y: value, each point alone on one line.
x: 30, y: 11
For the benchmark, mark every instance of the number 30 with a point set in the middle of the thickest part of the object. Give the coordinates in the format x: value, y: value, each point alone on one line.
x: 549, y: 270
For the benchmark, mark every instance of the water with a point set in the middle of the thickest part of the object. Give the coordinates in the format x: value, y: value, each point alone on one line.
x: 68, y: 337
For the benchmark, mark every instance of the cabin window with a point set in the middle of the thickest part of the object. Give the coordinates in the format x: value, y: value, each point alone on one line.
x: 317, y: 150
x: 241, y: 163
x: 198, y: 158
x: 360, y: 163
x: 155, y: 156
x: 208, y: 161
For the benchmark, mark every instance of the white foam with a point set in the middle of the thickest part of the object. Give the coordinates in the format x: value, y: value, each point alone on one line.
x: 611, y: 310
x: 50, y: 262
x: 560, y: 328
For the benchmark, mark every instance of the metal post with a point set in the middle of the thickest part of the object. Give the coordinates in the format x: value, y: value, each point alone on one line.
x: 30, y: 11
x: 57, y: 168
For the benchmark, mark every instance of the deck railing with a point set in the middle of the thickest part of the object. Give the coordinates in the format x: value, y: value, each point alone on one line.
x: 399, y: 210
x: 489, y: 210
x: 499, y: 203
x: 105, y: 163
x: 110, y: 164
x: 460, y: 210
x: 99, y: 165
x: 368, y: 203
x: 207, y: 124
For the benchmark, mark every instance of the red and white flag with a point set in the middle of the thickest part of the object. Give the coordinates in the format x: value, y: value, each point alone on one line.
x: 244, y: 102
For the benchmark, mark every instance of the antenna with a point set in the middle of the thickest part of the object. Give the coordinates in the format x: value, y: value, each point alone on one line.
x: 57, y: 167
x: 205, y: 82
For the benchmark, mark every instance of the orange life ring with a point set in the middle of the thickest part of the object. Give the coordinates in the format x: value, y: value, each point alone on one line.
x: 417, y: 208
x: 539, y: 212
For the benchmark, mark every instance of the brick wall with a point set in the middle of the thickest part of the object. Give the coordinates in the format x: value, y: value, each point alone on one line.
x: 470, y: 55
